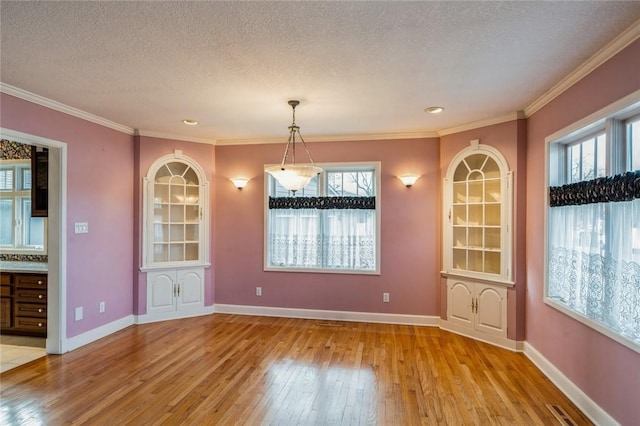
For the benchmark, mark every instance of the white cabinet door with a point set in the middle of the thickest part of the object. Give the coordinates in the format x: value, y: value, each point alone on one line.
x: 459, y: 301
x: 491, y: 311
x: 161, y: 292
x: 190, y: 289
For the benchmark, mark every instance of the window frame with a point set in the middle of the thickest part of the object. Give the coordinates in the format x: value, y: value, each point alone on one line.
x: 613, y: 120
x: 269, y: 190
x: 18, y: 195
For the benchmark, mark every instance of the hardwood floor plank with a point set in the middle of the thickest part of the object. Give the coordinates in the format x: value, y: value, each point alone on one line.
x: 241, y: 370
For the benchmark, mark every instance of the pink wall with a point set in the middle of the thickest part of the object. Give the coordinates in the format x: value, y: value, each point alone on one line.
x: 608, y: 372
x: 147, y: 150
x: 409, y: 240
x: 99, y: 264
x: 509, y: 139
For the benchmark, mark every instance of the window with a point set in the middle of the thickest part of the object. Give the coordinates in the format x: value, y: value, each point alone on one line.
x: 593, y: 237
x: 331, y: 225
x: 19, y: 232
x: 175, y: 213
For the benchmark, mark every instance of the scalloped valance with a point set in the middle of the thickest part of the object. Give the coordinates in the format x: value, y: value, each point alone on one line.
x: 623, y: 187
x: 323, y: 203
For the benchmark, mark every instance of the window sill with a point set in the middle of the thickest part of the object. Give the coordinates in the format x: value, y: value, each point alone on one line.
x: 321, y: 271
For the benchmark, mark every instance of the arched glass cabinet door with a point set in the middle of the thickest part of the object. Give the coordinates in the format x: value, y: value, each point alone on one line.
x: 176, y: 214
x: 477, y: 214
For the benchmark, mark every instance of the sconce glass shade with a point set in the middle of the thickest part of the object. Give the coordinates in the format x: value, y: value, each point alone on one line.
x: 240, y: 182
x: 409, y: 180
x: 293, y: 177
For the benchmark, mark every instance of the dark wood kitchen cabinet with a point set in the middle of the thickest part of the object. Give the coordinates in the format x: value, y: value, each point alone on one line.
x: 23, y: 303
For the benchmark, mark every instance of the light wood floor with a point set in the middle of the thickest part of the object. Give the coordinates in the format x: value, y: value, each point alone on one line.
x: 232, y: 370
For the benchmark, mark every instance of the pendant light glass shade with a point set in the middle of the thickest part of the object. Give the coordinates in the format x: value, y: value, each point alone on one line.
x: 292, y: 176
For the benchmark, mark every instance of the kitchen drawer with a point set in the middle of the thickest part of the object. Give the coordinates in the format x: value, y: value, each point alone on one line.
x: 30, y: 295
x: 30, y: 281
x: 5, y: 278
x: 5, y: 290
x: 31, y: 310
x: 5, y: 312
x: 31, y: 324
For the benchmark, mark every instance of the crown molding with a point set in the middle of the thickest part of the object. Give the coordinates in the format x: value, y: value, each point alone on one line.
x: 57, y: 106
x: 627, y: 37
x: 330, y: 138
x: 482, y: 123
x: 160, y: 135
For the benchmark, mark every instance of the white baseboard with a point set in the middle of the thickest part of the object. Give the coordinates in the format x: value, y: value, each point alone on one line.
x: 503, y: 342
x: 98, y: 333
x: 145, y: 319
x: 266, y: 311
x: 592, y: 410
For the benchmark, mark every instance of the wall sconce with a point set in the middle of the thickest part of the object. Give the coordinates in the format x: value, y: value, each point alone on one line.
x: 409, y: 180
x: 239, y: 182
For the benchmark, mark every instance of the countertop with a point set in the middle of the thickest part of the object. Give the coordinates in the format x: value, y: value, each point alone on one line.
x: 14, y: 266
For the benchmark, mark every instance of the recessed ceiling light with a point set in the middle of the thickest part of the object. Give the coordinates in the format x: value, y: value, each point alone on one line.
x: 434, y: 110
x: 190, y: 122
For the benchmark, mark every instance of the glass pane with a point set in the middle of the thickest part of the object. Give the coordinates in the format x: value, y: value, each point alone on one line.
x: 492, y: 214
x: 461, y: 172
x: 459, y: 237
x: 475, y: 215
x: 177, y: 194
x: 160, y: 252
x: 161, y: 193
x: 193, y: 195
x: 475, y: 192
x: 191, y: 233
x: 161, y: 213
x: 634, y: 138
x: 492, y: 238
x: 492, y: 191
x: 459, y: 259
x: 193, y: 213
x: 191, y: 251
x: 575, y: 165
x: 160, y: 233
x: 26, y: 179
x: 6, y: 222
x: 459, y: 215
x: 177, y: 214
x: 601, y: 156
x: 460, y: 192
x: 6, y: 179
x: 475, y: 175
x: 492, y: 262
x: 177, y: 169
x: 491, y: 169
x: 475, y: 237
x: 191, y: 178
x: 163, y: 175
x: 176, y: 252
x: 476, y: 161
x: 34, y: 229
x: 177, y: 233
x: 475, y: 261
x: 588, y: 159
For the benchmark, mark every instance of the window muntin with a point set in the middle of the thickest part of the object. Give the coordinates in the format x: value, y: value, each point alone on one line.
x: 20, y: 233
x: 333, y: 240
x: 593, y: 251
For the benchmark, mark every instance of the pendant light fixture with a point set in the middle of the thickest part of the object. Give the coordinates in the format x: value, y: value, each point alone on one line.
x: 294, y: 176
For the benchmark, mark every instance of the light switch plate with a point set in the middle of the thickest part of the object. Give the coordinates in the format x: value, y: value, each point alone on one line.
x: 79, y: 313
x: 82, y: 227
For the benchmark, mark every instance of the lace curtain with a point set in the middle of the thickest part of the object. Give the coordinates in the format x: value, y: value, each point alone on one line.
x: 322, y: 238
x: 594, y: 263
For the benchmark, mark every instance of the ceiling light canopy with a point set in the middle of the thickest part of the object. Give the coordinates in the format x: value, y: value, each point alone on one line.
x: 292, y: 176
x: 189, y: 122
x: 434, y: 109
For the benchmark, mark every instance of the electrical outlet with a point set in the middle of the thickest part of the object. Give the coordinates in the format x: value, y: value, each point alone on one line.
x: 79, y: 313
x: 385, y: 297
x: 82, y: 227
x: 258, y: 291
x: 102, y: 307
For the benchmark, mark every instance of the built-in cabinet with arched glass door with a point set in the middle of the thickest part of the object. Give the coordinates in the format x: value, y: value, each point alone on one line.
x: 175, y: 236
x: 477, y: 241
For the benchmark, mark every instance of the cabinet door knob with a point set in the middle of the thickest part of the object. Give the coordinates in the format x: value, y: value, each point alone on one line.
x: 40, y: 310
x: 40, y: 296
x: 39, y: 324
x: 39, y: 282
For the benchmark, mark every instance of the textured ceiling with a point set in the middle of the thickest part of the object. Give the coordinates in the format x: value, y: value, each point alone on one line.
x: 357, y: 67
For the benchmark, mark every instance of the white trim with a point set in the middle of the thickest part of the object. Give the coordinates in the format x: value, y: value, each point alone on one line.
x: 592, y: 410
x: 56, y: 342
x: 160, y: 135
x: 482, y: 123
x: 372, y: 317
x: 512, y: 345
x: 146, y: 319
x: 330, y: 138
x: 625, y: 38
x: 58, y: 106
x: 100, y: 332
